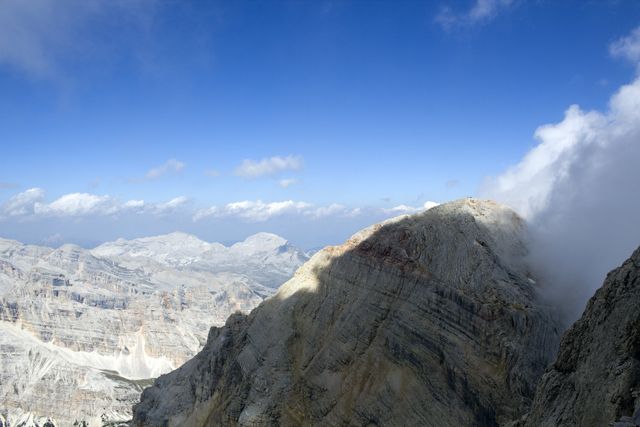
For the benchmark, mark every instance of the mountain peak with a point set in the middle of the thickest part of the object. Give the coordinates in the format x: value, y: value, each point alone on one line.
x: 427, y: 319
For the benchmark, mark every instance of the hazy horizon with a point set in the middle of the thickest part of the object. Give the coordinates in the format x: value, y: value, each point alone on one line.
x: 313, y: 120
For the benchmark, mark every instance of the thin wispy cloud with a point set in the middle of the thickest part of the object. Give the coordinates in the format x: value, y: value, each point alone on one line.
x: 126, y: 180
x: 94, y: 183
x: 286, y: 183
x: 212, y: 173
x: 172, y: 167
x: 8, y: 185
x: 627, y: 47
x: 451, y: 183
x: 39, y: 37
x: 482, y: 12
x: 251, y: 169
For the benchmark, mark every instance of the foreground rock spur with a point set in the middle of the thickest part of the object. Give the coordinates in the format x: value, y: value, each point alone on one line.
x: 430, y: 319
x: 596, y: 377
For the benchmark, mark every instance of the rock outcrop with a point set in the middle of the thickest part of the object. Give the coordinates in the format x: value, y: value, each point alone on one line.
x: 595, y: 378
x: 82, y: 332
x: 430, y: 319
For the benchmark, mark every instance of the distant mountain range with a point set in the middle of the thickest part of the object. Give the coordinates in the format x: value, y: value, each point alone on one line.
x: 81, y: 331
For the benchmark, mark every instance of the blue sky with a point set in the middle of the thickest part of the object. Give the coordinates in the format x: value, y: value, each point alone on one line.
x: 310, y: 119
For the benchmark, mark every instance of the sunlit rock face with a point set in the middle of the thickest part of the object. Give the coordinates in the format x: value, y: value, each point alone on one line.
x: 430, y: 319
x: 595, y: 378
x: 81, y: 332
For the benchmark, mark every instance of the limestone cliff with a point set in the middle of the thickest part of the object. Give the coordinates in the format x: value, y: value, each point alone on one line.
x: 430, y: 319
x: 596, y: 376
x: 81, y: 332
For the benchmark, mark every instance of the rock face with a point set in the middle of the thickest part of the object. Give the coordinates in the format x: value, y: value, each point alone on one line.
x: 82, y: 332
x: 430, y: 319
x: 596, y: 376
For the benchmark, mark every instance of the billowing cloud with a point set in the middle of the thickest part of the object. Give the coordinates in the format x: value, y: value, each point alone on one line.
x: 578, y: 188
x: 172, y: 167
x: 251, y: 169
x: 23, y: 203
x: 286, y: 183
x: 483, y: 11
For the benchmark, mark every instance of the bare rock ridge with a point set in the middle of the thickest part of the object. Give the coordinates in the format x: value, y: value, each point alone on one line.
x: 430, y: 319
x: 595, y: 378
x: 82, y: 332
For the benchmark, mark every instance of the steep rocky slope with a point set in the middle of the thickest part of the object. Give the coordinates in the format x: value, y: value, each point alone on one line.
x: 596, y: 376
x: 81, y: 332
x: 430, y: 319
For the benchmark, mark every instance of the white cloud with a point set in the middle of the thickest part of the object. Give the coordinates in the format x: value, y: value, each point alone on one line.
x: 171, y: 205
x: 203, y: 213
x: 251, y: 169
x: 258, y: 211
x: 482, y: 12
x: 23, y: 203
x: 579, y: 191
x: 172, y: 167
x: 286, y: 183
x: 627, y: 47
x: 29, y: 206
x: 335, y: 210
x: 83, y: 204
x: 405, y: 210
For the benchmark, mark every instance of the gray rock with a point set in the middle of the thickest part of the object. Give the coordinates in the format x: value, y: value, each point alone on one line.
x: 595, y: 378
x: 430, y: 319
x: 81, y: 332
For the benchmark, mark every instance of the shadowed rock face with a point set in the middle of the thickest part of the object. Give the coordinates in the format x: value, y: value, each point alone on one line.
x: 596, y: 377
x: 429, y: 319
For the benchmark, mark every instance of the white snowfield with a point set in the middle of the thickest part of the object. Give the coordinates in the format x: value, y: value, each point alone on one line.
x: 83, y: 331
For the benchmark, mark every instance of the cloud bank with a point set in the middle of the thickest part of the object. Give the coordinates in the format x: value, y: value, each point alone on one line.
x: 578, y: 189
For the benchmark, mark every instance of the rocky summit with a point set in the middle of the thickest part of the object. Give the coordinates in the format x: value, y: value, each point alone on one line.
x: 431, y: 319
x: 595, y: 379
x: 82, y: 332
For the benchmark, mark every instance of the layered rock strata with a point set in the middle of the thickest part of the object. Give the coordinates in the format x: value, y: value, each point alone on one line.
x: 82, y: 332
x: 595, y: 378
x: 430, y: 319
